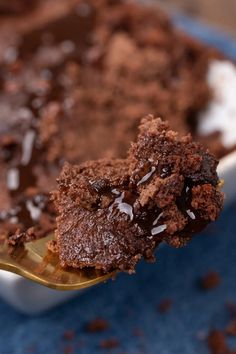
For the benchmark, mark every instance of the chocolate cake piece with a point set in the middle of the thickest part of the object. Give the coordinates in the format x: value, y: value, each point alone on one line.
x: 114, y: 212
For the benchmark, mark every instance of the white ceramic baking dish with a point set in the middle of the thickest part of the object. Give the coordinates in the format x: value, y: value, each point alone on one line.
x: 32, y: 298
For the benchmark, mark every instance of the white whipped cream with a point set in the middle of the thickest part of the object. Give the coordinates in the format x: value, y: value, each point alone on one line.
x: 220, y: 116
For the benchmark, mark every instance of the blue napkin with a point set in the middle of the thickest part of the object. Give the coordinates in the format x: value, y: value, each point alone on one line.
x: 130, y: 304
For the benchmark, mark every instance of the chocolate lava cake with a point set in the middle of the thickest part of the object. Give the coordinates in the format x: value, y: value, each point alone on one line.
x: 75, y: 79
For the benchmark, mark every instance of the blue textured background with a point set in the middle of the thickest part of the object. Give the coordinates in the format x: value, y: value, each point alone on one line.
x: 130, y: 303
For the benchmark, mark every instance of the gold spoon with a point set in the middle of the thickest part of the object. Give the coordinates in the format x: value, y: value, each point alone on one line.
x: 35, y: 262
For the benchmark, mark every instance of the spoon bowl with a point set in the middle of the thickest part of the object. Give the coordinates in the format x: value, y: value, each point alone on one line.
x: 33, y: 261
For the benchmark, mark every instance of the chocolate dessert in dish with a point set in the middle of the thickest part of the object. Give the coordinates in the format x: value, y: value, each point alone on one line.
x: 112, y: 212
x: 75, y: 80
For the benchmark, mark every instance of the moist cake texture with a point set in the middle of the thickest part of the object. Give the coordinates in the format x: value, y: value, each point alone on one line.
x: 73, y: 87
x: 114, y: 212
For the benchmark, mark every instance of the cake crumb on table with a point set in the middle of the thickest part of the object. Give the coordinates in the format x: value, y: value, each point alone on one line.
x: 97, y: 325
x: 110, y: 343
x: 210, y: 281
x: 69, y: 335
x: 230, y: 329
x: 165, y: 305
x: 216, y: 342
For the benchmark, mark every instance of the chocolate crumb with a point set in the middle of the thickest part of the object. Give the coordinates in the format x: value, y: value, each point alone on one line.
x: 216, y: 341
x: 110, y: 343
x: 69, y: 335
x: 231, y: 328
x: 165, y: 305
x: 97, y: 325
x: 210, y: 281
